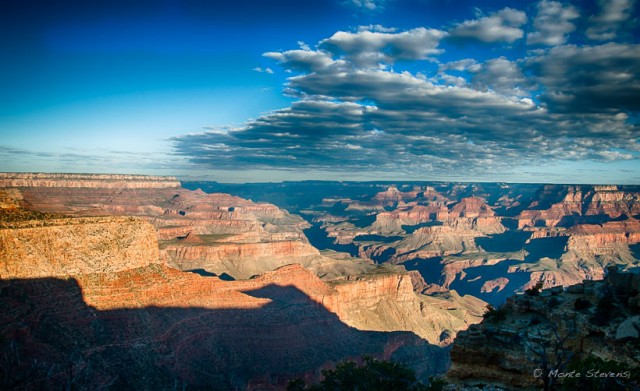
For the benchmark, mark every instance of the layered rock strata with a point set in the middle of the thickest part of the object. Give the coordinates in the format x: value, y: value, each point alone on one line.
x: 218, y: 233
x: 87, y: 180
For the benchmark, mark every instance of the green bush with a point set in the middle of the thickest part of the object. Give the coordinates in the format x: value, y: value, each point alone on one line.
x: 581, y: 304
x: 597, y: 374
x: 374, y: 375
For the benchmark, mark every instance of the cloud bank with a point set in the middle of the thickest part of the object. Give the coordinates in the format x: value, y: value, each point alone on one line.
x: 357, y: 110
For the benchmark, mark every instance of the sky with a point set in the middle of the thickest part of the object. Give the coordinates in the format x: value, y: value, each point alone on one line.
x: 253, y: 91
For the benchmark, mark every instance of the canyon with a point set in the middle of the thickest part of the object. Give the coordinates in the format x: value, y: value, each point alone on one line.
x: 486, y: 240
x: 107, y: 277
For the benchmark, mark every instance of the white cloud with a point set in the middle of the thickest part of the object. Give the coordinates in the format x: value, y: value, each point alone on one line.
x: 377, y: 28
x: 563, y: 103
x: 614, y: 13
x: 502, y: 26
x: 366, y: 5
x: 263, y: 70
x: 500, y: 75
x: 369, y: 48
x: 552, y: 23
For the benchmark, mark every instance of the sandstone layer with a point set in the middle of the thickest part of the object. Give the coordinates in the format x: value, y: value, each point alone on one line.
x: 63, y: 247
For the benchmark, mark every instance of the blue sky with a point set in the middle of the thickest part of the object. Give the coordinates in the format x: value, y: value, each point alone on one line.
x: 239, y: 91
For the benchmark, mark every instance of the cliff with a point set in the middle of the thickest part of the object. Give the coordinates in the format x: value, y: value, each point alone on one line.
x: 158, y: 328
x: 218, y: 233
x: 555, y: 330
x: 239, y: 260
x: 62, y: 247
x: 386, y: 301
x: 98, y: 295
x: 578, y: 204
x: 107, y: 181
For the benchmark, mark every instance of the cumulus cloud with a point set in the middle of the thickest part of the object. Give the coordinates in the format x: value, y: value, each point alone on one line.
x: 367, y: 48
x: 613, y: 14
x: 589, y: 79
x: 502, y: 26
x: 500, y: 75
x: 552, y: 23
x: 353, y: 114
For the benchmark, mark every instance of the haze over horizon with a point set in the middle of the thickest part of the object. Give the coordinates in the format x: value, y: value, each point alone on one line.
x: 407, y: 90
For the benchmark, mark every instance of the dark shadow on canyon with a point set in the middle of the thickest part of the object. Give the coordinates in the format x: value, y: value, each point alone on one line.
x: 51, y: 339
x: 319, y: 239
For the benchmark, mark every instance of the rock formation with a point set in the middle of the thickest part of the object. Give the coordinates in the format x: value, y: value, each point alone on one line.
x: 521, y: 345
x: 557, y: 235
x: 218, y: 233
x: 63, y: 247
x: 579, y: 204
x: 110, y: 181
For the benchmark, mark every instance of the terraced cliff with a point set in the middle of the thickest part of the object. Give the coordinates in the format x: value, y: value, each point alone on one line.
x: 489, y: 240
x: 217, y: 233
x: 112, y: 181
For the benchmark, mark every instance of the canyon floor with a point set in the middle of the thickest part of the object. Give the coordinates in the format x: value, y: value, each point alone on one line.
x: 137, y: 282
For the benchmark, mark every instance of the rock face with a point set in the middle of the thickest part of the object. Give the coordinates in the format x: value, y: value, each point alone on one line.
x: 578, y: 204
x: 551, y: 331
x: 159, y: 328
x: 436, y: 241
x: 384, y: 301
x: 62, y: 247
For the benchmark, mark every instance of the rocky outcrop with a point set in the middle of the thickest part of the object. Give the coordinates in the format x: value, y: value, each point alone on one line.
x: 603, y: 244
x: 239, y: 260
x: 392, y: 222
x: 384, y: 301
x: 471, y: 207
x: 497, y: 283
x: 392, y: 194
x: 538, y: 334
x: 62, y: 247
x: 436, y: 241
